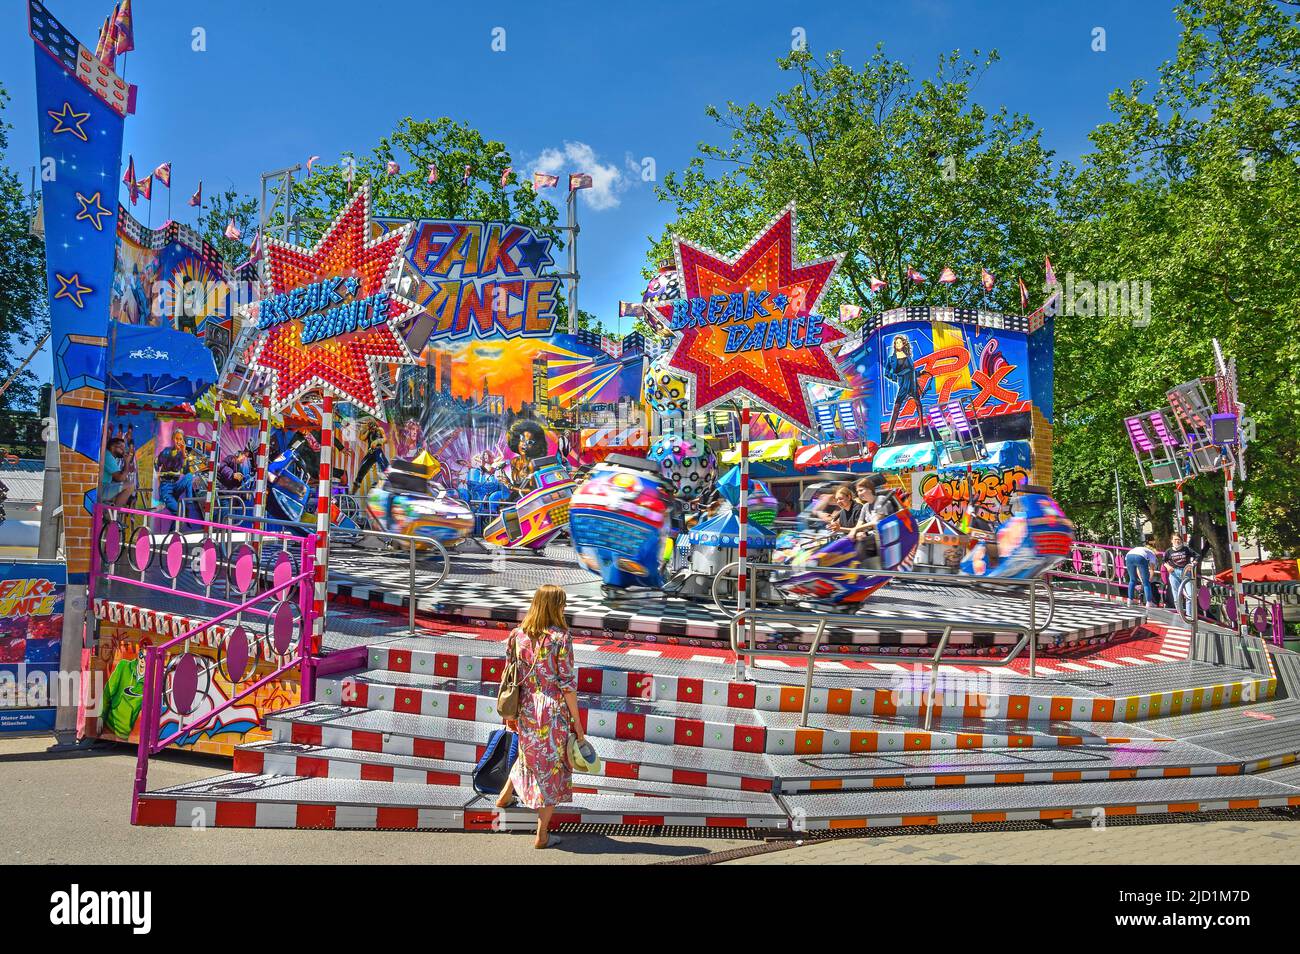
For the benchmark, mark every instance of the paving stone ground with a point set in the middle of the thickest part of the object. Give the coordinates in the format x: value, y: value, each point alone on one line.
x: 1173, y: 843
x: 74, y: 809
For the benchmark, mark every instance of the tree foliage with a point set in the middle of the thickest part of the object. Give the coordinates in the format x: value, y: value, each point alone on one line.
x: 892, y: 170
x: 222, y: 209
x: 1192, y: 185
x: 415, y: 145
x: 24, y: 313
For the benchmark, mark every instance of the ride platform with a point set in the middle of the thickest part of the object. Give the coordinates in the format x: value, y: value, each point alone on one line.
x: 1146, y: 720
x: 494, y: 588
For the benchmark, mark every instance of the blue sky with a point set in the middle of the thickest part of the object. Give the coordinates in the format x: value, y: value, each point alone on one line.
x: 616, y: 82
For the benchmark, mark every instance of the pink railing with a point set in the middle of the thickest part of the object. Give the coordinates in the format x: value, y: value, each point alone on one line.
x: 172, y: 684
x: 1103, y: 565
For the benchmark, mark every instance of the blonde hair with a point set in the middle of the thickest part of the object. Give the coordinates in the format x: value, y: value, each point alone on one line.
x: 546, y: 611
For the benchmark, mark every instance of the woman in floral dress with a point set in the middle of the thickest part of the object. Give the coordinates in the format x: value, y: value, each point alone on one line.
x: 548, y: 712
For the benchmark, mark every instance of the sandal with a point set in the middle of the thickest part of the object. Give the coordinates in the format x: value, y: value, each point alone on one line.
x: 552, y: 841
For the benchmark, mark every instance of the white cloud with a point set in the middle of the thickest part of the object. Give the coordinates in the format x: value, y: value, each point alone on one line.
x: 608, y: 181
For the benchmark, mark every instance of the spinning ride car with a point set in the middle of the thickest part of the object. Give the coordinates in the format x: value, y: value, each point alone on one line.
x: 1036, y: 538
x: 619, y: 520
x: 292, y: 495
x: 405, y: 503
x: 539, y: 514
x: 809, y: 553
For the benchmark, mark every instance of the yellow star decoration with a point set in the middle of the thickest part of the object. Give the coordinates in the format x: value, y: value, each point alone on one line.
x: 68, y: 120
x: 72, y: 289
x: 92, y: 211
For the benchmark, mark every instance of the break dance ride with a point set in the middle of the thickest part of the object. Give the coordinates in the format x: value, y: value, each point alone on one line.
x: 373, y: 721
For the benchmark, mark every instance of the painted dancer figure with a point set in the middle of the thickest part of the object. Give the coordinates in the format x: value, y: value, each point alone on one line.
x: 898, y: 367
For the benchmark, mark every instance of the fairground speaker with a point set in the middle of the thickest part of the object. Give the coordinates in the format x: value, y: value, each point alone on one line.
x: 1223, y: 428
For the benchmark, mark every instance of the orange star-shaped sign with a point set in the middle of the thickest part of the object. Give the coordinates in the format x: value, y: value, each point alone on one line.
x: 747, y: 326
x: 330, y: 316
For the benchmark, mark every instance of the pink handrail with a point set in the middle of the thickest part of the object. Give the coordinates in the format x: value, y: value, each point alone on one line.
x: 151, y: 691
x: 176, y: 518
x: 151, y: 709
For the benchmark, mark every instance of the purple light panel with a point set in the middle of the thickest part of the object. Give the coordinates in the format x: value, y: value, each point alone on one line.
x: 1137, y: 434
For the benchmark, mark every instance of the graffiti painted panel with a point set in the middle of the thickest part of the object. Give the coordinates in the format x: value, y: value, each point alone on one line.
x: 31, y: 629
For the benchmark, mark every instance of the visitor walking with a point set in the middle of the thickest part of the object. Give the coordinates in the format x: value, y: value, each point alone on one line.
x: 548, y: 712
x: 1140, y: 562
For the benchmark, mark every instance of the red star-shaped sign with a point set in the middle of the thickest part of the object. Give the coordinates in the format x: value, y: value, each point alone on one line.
x: 776, y: 378
x: 347, y: 365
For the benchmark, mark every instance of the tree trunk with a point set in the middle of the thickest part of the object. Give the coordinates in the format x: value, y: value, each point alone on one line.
x: 1213, y: 526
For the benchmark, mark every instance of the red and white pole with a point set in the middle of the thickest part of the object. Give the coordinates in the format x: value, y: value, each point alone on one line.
x: 1180, y: 511
x: 215, y: 457
x: 324, y: 486
x: 259, y: 487
x: 1234, y: 547
x: 742, y: 519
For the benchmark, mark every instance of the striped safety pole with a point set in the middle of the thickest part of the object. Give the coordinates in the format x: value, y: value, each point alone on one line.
x: 742, y: 516
x: 216, y: 456
x: 259, y: 487
x: 323, y: 487
x: 1180, y: 511
x: 1234, y: 547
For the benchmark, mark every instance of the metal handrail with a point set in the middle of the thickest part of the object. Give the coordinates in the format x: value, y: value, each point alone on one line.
x: 412, y: 543
x: 752, y: 616
x: 1030, y: 584
x: 155, y: 672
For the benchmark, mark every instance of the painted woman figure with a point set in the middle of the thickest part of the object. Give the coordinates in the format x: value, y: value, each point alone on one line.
x: 898, y: 367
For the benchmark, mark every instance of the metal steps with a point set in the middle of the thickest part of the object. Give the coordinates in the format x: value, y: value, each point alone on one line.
x: 1101, y: 695
x: 310, y: 761
x: 643, y: 766
x: 272, y: 801
x: 750, y: 730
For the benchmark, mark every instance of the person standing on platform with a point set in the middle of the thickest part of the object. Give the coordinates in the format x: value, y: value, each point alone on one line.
x: 1140, y: 562
x: 1179, y: 559
x: 548, y: 712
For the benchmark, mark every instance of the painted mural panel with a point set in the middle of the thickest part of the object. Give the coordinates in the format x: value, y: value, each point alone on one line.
x: 904, y: 366
x: 31, y: 636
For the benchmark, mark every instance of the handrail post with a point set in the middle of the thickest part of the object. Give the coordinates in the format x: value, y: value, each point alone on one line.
x: 306, y: 622
x: 1033, y: 629
x: 148, y: 708
x: 808, y: 678
x: 410, y: 586
x: 934, y: 676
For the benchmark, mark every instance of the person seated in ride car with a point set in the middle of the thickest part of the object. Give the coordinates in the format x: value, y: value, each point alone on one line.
x: 841, y: 513
x: 872, y: 506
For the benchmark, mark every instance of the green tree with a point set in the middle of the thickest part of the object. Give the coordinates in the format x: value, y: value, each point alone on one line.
x: 1192, y: 185
x: 416, y: 145
x: 891, y: 170
x: 219, y: 211
x: 24, y: 312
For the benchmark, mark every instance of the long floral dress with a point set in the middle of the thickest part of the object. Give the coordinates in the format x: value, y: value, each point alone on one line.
x: 541, y: 774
